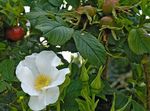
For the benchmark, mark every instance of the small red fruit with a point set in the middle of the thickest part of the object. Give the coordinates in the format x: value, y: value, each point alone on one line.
x: 108, y: 6
x: 15, y: 33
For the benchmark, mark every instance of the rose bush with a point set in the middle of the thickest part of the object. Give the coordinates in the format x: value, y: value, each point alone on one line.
x: 107, y: 62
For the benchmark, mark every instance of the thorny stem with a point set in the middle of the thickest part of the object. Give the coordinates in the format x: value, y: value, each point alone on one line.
x: 146, y: 67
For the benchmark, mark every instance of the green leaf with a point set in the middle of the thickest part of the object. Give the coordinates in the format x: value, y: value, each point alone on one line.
x: 146, y: 7
x: 131, y: 55
x: 113, y: 103
x: 59, y: 35
x: 3, y: 86
x: 147, y: 26
x: 96, y: 84
x: 2, y: 46
x: 90, y: 48
x: 72, y: 92
x: 7, y: 68
x: 63, y: 87
x: 86, y: 104
x: 124, y: 107
x: 139, y: 41
x: 47, y: 25
x: 81, y: 104
x: 84, y: 77
x: 121, y: 100
x: 14, y: 1
x: 100, y: 3
x: 56, y: 3
x: 128, y: 2
x: 137, y: 106
x: 55, y: 32
x: 33, y: 15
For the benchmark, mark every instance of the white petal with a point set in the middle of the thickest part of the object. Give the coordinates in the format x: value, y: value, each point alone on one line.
x: 37, y: 102
x: 52, y: 95
x: 61, y: 76
x: 53, y: 73
x: 45, y: 60
x: 24, y: 74
x: 59, y: 79
x: 55, y: 61
x: 29, y: 90
x: 47, y: 97
x: 30, y: 63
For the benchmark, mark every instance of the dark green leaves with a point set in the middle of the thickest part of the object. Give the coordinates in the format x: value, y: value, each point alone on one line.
x: 3, y: 86
x: 55, y: 32
x: 59, y: 35
x: 90, y: 48
x: 7, y: 70
x: 73, y: 91
x: 139, y: 41
x: 34, y: 15
x: 56, y: 2
x: 2, y: 46
x: 145, y: 5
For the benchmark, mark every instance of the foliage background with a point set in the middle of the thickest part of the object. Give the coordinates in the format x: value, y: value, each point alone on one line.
x: 122, y: 85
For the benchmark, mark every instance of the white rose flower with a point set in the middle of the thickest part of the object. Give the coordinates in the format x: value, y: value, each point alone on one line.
x: 40, y: 78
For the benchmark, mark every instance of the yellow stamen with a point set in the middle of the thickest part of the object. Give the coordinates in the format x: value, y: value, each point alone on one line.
x: 41, y: 81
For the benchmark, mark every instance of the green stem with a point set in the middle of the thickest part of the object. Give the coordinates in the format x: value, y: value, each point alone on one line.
x: 58, y: 106
x: 93, y: 97
x: 22, y: 105
x: 93, y: 103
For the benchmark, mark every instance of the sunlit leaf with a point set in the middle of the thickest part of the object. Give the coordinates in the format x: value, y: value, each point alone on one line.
x: 139, y: 41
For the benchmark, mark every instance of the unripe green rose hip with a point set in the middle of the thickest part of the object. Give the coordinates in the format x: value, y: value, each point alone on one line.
x: 88, y: 9
x: 108, y: 6
x: 107, y: 20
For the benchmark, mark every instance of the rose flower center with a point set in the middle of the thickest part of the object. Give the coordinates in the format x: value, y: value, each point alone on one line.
x: 41, y: 81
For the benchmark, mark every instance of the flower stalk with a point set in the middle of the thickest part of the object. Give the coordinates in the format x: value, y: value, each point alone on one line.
x: 58, y: 106
x: 146, y: 68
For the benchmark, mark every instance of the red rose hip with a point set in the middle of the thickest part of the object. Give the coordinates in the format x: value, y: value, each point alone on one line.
x: 15, y: 33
